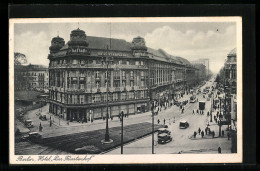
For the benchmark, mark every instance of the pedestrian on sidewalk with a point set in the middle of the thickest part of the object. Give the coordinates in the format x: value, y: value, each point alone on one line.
x: 193, y: 111
x: 213, y: 134
x: 219, y: 150
x: 202, y: 134
x: 202, y: 112
x: 223, y: 133
x: 209, y: 131
x: 164, y: 121
x: 40, y: 127
x: 158, y: 121
x: 197, y: 111
x: 199, y: 131
x: 228, y: 135
x: 206, y: 130
x: 194, y: 134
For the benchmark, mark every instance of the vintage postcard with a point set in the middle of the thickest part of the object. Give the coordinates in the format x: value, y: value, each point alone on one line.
x: 125, y: 90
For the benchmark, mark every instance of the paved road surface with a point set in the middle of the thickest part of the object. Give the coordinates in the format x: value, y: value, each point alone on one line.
x: 183, y: 140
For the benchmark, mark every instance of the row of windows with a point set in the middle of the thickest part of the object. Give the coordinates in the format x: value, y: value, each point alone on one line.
x: 40, y: 84
x: 58, y: 79
x: 93, y: 98
x: 231, y: 74
x: 33, y: 74
x: 97, y: 61
x: 96, y: 73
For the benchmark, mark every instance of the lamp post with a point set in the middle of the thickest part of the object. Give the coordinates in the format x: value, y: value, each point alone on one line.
x: 220, y: 119
x: 122, y: 136
x: 107, y: 138
x: 211, y: 108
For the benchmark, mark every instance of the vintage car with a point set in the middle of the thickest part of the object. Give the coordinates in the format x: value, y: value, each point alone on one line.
x: 184, y: 124
x: 43, y: 117
x: 164, y: 138
x: 164, y: 130
x: 32, y: 136
x: 28, y: 123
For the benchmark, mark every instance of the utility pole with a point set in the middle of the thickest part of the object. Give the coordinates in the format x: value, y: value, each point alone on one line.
x: 211, y: 108
x: 122, y: 126
x: 152, y: 132
x: 220, y: 120
x: 150, y: 99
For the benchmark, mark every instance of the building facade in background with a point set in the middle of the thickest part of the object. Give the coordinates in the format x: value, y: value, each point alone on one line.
x: 200, y: 72
x: 31, y: 77
x: 203, y: 62
x: 230, y: 84
x: 137, y: 74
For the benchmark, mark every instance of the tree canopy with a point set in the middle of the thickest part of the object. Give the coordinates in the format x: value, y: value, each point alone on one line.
x: 19, y: 58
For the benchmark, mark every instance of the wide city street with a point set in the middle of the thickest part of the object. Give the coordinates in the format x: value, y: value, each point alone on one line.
x: 183, y: 139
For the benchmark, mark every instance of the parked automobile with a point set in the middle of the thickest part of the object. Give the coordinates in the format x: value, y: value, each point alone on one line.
x: 28, y: 123
x: 164, y: 130
x: 32, y: 136
x: 164, y: 138
x: 193, y: 99
x: 184, y: 124
x: 43, y: 117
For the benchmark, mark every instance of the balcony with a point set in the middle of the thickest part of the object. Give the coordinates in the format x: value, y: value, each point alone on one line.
x: 103, y: 89
x: 128, y: 88
x: 94, y: 90
x: 117, y: 89
x: 88, y: 90
x: 112, y: 89
x: 136, y: 87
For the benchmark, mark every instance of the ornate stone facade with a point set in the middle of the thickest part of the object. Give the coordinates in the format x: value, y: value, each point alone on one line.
x: 78, y: 77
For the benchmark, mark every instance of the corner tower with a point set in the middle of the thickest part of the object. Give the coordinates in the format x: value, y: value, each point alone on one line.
x: 78, y: 38
x: 56, y: 44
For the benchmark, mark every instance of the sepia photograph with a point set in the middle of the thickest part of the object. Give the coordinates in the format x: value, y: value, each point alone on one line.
x: 125, y: 90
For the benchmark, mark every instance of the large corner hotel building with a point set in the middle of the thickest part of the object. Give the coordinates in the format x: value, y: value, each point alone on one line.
x: 136, y: 73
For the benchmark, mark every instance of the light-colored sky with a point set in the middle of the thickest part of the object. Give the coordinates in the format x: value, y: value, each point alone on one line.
x: 191, y: 40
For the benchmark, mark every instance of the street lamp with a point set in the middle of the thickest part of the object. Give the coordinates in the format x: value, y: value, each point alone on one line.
x: 122, y: 125
x: 107, y: 138
x: 211, y: 108
x: 220, y: 119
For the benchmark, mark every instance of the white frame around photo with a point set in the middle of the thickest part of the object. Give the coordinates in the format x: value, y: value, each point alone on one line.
x: 130, y: 159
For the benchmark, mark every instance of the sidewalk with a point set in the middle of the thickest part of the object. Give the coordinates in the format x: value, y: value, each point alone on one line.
x: 60, y: 127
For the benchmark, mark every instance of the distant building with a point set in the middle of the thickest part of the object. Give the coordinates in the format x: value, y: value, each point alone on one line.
x: 204, y: 62
x: 31, y: 77
x: 137, y: 74
x: 230, y: 70
x: 201, y: 72
x: 230, y: 83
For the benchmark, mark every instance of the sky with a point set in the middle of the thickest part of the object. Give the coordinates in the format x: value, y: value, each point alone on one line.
x: 190, y: 40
